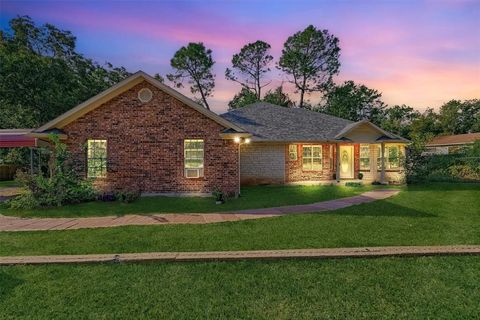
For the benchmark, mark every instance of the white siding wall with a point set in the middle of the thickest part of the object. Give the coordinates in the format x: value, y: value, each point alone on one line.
x: 262, y: 163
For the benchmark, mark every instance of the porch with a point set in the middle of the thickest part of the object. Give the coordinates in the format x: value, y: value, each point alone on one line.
x: 337, y: 163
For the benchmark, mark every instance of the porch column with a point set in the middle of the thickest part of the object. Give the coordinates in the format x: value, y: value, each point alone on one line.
x: 337, y: 162
x: 382, y: 173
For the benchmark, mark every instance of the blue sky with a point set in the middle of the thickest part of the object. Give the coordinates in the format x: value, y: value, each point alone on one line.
x: 421, y: 53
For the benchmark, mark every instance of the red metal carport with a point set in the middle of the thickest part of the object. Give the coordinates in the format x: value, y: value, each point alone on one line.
x: 15, y: 138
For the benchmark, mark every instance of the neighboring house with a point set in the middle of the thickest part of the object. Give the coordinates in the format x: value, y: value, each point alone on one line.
x: 451, y: 144
x: 143, y: 134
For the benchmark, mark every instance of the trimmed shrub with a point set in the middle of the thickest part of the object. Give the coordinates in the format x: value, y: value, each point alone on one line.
x: 353, y: 184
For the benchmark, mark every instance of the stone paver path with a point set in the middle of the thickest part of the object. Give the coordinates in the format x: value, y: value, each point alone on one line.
x: 247, y: 255
x: 8, y: 223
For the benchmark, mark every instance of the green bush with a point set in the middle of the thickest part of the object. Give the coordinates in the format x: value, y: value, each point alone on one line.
x: 353, y: 184
x: 457, y: 167
x: 219, y: 195
x: 24, y: 201
x: 127, y: 196
x: 61, y: 187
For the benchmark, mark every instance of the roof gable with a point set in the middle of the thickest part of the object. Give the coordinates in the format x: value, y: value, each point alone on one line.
x: 124, y: 85
x: 366, y: 131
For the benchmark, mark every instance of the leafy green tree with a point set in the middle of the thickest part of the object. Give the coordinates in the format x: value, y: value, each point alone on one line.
x: 353, y: 102
x: 193, y: 64
x: 399, y: 119
x: 250, y: 66
x: 311, y: 58
x: 42, y: 75
x: 457, y: 117
x: 278, y: 97
x: 243, y: 98
x: 426, y: 126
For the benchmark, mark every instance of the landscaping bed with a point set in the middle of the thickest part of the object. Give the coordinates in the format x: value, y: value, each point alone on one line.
x: 252, y: 198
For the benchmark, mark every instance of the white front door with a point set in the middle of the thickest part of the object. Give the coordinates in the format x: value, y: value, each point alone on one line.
x: 346, y: 162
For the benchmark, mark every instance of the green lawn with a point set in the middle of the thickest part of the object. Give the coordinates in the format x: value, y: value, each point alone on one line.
x: 385, y: 288
x: 252, y: 197
x: 8, y: 184
x: 434, y: 214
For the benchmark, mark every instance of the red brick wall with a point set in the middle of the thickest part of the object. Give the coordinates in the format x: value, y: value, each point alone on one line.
x: 294, y: 170
x: 145, y: 144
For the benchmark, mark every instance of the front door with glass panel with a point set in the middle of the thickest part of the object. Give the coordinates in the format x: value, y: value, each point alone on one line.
x: 346, y: 162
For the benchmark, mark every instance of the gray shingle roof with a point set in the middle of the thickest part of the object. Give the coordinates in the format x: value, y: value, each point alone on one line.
x: 268, y: 122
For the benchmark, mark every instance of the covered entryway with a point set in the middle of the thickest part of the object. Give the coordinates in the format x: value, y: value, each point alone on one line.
x: 346, y: 162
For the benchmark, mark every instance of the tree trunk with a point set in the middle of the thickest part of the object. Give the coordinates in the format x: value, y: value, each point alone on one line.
x: 204, y: 99
x: 302, y: 92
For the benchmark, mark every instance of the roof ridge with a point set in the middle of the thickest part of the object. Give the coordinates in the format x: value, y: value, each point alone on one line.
x: 260, y: 103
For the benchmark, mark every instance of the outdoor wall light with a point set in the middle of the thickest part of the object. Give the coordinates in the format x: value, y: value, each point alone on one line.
x: 241, y: 140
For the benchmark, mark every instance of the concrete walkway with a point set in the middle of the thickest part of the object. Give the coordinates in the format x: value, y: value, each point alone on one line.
x: 8, y: 223
x: 9, y: 192
x: 247, y: 255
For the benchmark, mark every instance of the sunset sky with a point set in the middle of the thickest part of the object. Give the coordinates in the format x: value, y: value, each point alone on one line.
x: 417, y: 53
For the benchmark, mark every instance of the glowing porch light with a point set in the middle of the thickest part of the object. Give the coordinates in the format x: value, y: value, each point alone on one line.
x: 237, y: 139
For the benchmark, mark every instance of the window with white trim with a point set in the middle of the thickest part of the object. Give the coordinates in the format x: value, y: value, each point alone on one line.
x: 193, y: 157
x: 312, y: 157
x: 292, y: 152
x: 96, y: 158
x: 393, y: 157
x: 364, y: 157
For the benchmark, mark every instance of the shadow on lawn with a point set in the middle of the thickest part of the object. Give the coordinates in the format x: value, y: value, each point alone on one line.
x: 7, y: 284
x: 382, y: 209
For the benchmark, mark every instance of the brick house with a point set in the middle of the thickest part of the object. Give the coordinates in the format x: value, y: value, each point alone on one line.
x: 294, y: 145
x: 143, y: 134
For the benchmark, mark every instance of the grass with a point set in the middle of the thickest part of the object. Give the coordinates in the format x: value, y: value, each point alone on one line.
x: 8, y: 184
x: 252, y: 197
x: 433, y: 214
x: 385, y: 288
